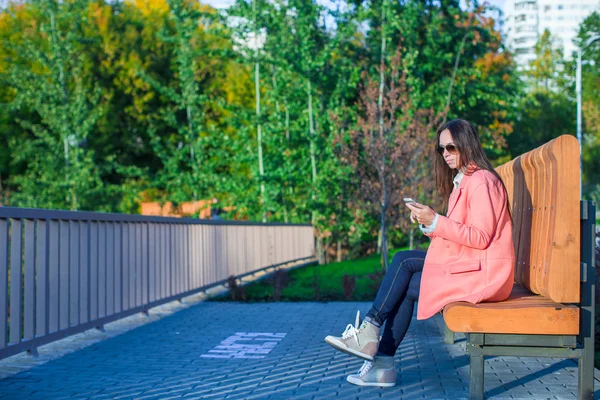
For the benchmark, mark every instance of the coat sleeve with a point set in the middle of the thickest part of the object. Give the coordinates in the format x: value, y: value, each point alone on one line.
x: 485, y: 204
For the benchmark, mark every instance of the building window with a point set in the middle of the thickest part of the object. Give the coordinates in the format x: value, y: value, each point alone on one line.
x: 560, y: 6
x: 547, y: 8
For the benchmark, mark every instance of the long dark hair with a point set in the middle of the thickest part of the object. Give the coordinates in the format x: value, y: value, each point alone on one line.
x: 466, y: 139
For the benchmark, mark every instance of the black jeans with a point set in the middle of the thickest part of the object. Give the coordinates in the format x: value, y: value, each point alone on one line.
x: 395, y: 300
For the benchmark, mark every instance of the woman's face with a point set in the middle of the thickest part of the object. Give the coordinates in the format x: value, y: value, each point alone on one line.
x: 448, y: 149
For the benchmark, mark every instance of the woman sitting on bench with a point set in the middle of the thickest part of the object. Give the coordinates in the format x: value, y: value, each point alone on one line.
x: 470, y: 258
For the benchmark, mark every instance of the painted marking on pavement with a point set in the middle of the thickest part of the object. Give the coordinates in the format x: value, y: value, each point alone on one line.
x: 246, y: 345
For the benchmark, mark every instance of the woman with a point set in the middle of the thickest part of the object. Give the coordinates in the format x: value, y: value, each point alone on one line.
x: 470, y: 258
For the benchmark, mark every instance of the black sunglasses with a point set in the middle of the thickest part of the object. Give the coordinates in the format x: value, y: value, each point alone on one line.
x: 452, y: 149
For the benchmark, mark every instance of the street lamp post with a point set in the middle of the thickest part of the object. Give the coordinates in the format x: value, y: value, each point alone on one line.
x: 578, y: 92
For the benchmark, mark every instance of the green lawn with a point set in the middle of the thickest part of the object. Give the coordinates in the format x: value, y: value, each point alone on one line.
x: 322, y: 283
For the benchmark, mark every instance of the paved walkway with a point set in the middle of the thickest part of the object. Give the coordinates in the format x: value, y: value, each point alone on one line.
x: 274, y: 351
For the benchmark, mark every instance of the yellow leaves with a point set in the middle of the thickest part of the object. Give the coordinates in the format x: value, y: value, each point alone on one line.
x: 101, y: 16
x: 238, y: 88
x: 149, y: 7
x: 492, y: 63
x: 499, y: 129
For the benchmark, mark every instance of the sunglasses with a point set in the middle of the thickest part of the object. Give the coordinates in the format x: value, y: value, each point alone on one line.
x: 452, y: 149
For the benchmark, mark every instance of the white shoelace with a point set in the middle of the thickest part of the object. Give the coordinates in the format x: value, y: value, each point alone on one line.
x: 352, y: 330
x: 366, y: 367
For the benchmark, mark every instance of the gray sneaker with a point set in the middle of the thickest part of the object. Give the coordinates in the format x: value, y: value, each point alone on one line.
x: 381, y: 372
x: 358, y: 341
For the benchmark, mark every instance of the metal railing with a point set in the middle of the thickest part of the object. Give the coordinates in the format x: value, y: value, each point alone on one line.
x: 64, y: 272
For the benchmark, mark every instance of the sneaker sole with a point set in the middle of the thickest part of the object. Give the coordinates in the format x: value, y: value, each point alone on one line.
x: 359, y: 382
x: 336, y: 344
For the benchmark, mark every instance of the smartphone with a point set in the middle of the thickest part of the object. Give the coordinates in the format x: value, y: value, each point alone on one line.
x: 408, y: 200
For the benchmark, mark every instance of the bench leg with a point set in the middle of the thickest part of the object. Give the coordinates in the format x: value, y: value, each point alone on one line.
x: 586, y: 376
x: 476, y: 381
x: 587, y: 329
x: 586, y: 362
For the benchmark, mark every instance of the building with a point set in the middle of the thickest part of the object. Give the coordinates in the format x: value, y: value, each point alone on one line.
x: 526, y: 20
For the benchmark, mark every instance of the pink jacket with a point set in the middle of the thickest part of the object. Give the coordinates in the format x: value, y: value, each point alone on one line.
x: 471, y: 256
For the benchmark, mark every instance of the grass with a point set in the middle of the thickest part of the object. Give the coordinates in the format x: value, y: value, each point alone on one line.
x: 322, y: 282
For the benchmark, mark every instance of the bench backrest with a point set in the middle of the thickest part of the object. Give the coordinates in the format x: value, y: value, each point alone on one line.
x: 544, y: 194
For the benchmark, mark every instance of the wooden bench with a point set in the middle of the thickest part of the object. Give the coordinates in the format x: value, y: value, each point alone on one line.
x: 550, y: 312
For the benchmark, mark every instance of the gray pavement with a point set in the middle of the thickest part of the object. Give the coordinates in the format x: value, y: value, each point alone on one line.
x: 274, y: 351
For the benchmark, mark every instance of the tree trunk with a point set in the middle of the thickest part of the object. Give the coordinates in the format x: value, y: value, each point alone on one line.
x: 381, y: 239
x: 313, y: 163
x: 411, y: 238
x: 384, y: 249
x: 454, y: 70
x: 258, y: 123
x: 63, y: 85
x: 320, y: 251
x: 283, y: 194
x: 381, y: 68
x: 339, y: 251
x: 287, y: 138
x: 188, y: 110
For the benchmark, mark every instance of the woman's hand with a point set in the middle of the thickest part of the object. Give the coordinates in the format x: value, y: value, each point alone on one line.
x: 423, y: 214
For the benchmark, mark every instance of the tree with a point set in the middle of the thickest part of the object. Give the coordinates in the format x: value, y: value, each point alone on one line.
x: 49, y: 80
x: 387, y: 148
x: 546, y: 107
x: 590, y: 27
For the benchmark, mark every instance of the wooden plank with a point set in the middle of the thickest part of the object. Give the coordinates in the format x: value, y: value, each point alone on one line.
x: 118, y: 267
x: 3, y: 282
x: 525, y: 318
x: 74, y: 265
x: 41, y: 278
x: 102, y: 269
x: 164, y: 259
x: 109, y: 259
x: 132, y: 265
x: 94, y: 271
x: 29, y: 284
x: 535, y: 186
x: 138, y: 265
x: 144, y: 262
x: 84, y: 271
x: 548, y: 173
x: 63, y: 279
x: 563, y: 280
x: 152, y: 262
x: 177, y: 264
x: 125, y: 264
x: 16, y: 254
x: 53, y: 276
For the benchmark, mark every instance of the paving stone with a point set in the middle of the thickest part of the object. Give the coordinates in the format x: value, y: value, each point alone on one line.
x: 163, y: 359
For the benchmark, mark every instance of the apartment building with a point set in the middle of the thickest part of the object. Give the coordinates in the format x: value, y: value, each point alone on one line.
x: 525, y: 21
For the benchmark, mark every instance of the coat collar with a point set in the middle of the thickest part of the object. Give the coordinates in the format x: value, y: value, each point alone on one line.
x: 456, y: 193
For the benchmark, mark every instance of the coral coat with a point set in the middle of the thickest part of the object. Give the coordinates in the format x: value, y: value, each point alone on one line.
x: 471, y: 256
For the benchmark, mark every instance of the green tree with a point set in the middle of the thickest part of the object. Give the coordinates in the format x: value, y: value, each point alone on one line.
x: 590, y: 27
x: 49, y: 80
x: 546, y: 108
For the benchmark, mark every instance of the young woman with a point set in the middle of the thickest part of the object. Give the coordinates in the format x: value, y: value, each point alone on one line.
x: 470, y: 258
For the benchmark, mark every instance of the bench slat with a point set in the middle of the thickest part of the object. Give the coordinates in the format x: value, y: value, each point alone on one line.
x: 546, y: 219
x: 523, y: 313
